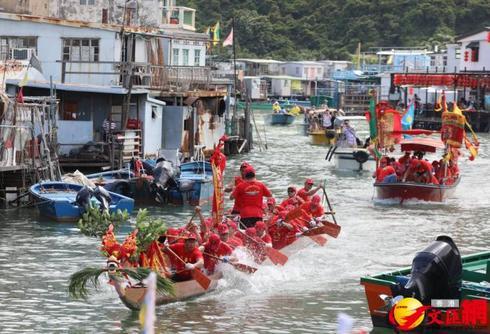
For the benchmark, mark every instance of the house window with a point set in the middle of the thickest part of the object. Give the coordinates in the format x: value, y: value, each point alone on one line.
x: 15, y: 47
x: 87, y: 2
x: 197, y: 57
x: 175, y: 57
x: 283, y: 70
x: 297, y: 70
x: 81, y: 49
x: 72, y: 112
x: 185, y: 56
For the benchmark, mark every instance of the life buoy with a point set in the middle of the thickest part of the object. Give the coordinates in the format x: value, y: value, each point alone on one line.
x: 361, y: 156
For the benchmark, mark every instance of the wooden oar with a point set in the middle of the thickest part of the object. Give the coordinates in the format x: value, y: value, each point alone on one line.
x: 329, y: 205
x: 198, y: 275
x: 238, y: 266
x: 276, y: 256
x: 330, y: 228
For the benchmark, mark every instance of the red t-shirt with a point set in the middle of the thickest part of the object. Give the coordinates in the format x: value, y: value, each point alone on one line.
x: 281, y: 236
x: 317, y: 211
x: 303, y: 193
x: 381, y: 173
x: 222, y: 250
x: 189, y: 257
x: 250, y: 195
x: 290, y: 201
x: 236, y: 205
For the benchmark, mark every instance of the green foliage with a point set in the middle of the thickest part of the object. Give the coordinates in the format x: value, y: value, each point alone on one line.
x: 321, y: 29
x: 95, y: 223
x: 149, y: 229
x: 81, y: 279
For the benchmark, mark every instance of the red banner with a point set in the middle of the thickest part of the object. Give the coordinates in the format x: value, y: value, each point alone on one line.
x: 389, y: 125
x: 452, y: 131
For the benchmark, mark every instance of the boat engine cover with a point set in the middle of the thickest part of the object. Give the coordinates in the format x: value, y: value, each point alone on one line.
x: 83, y: 197
x: 436, y: 272
x: 361, y: 156
x: 103, y: 197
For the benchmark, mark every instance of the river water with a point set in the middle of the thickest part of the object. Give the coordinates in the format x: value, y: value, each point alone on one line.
x: 305, y: 296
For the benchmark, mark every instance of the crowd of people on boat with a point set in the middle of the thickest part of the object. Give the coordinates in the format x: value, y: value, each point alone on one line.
x: 414, y: 168
x: 256, y: 222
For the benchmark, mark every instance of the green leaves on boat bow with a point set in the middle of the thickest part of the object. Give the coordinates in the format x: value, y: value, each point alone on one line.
x: 149, y: 229
x: 95, y: 223
x: 79, y: 280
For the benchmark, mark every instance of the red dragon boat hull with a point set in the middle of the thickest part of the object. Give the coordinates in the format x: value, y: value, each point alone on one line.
x: 408, y: 190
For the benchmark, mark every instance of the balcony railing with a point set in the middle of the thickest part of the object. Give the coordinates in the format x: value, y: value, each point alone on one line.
x: 179, y: 17
x: 143, y: 75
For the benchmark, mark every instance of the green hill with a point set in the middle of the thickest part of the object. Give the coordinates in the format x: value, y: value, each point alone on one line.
x: 332, y: 29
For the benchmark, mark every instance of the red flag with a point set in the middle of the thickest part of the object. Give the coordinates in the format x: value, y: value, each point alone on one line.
x: 229, y: 39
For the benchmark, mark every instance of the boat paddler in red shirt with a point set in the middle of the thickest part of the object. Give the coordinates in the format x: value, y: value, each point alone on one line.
x: 282, y: 233
x: 420, y: 171
x: 187, y: 251
x: 250, y: 194
x: 237, y: 180
x: 312, y: 212
x: 215, y: 247
x: 307, y: 191
x: 228, y: 238
x: 292, y: 200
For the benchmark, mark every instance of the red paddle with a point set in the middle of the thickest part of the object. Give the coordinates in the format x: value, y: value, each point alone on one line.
x: 200, y: 278
x: 238, y: 266
x: 276, y: 256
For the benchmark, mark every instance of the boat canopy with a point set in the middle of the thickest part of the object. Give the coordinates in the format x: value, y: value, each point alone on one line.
x: 422, y: 144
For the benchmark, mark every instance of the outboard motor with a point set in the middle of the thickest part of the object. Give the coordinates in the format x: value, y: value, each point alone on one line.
x: 83, y: 197
x: 436, y: 272
x: 103, y: 197
x: 163, y: 177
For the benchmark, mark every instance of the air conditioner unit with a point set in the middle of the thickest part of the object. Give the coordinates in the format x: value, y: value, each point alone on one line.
x: 22, y: 54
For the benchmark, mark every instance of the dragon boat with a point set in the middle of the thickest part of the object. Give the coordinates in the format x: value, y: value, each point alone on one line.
x: 132, y: 296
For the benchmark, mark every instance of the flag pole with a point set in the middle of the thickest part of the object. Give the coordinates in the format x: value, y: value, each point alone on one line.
x: 234, y: 68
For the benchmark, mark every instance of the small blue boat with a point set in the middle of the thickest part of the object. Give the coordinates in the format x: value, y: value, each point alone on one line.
x: 194, y: 184
x: 282, y: 119
x: 56, y: 200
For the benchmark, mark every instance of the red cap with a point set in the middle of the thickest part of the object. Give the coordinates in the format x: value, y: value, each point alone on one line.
x: 222, y: 229
x: 315, y: 199
x: 271, y: 200
x: 244, y: 165
x: 383, y: 159
x: 309, y: 181
x: 248, y: 169
x: 250, y: 231
x: 214, y: 239
x: 292, y: 188
x: 260, y: 225
x: 191, y: 236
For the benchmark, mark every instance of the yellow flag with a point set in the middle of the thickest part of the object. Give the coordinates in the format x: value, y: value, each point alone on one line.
x: 456, y: 109
x: 24, y: 80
